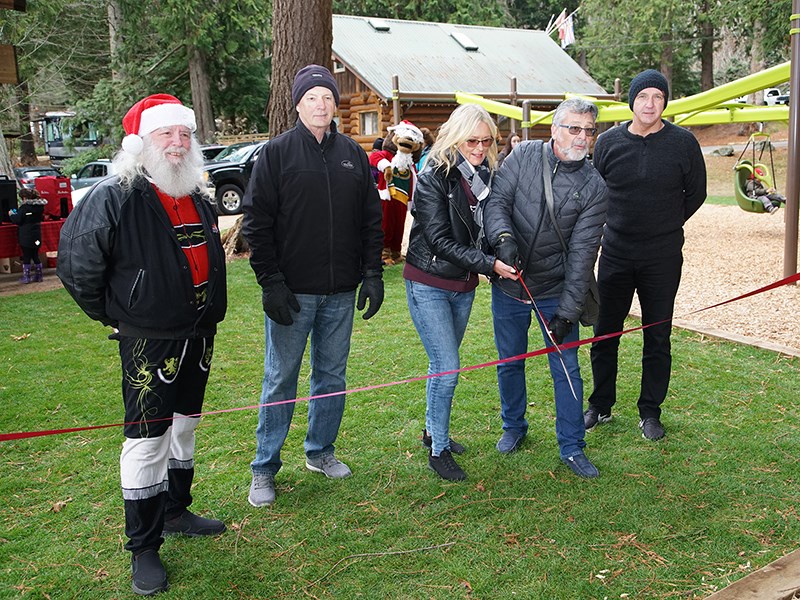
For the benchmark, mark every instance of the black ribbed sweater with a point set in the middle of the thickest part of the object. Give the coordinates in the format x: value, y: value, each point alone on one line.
x: 655, y: 184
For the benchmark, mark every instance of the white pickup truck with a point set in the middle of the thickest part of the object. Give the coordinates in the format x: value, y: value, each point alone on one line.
x: 773, y: 97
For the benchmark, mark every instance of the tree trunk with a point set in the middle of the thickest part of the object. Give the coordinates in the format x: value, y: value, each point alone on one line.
x: 27, y: 149
x: 302, y: 35
x: 666, y: 60
x: 5, y: 161
x: 757, y: 57
x: 114, y: 36
x: 706, y: 48
x: 201, y: 95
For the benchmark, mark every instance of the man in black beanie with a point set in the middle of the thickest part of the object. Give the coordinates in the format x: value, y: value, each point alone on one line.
x: 312, y: 217
x: 656, y: 178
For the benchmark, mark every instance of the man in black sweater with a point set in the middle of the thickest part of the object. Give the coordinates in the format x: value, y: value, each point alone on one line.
x: 656, y: 179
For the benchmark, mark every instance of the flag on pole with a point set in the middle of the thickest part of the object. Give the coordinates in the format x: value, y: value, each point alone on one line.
x: 566, y: 32
x: 559, y: 19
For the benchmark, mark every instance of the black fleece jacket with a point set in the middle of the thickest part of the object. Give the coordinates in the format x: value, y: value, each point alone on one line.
x: 312, y: 214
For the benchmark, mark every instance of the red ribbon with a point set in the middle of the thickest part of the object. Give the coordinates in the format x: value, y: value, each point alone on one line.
x: 5, y: 437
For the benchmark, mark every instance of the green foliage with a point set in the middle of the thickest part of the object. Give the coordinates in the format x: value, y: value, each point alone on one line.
x: 233, y: 34
x: 625, y: 37
x: 493, y: 13
x: 680, y: 518
x: 74, y: 164
x: 61, y: 51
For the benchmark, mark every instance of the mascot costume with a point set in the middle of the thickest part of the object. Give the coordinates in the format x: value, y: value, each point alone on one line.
x: 396, y: 180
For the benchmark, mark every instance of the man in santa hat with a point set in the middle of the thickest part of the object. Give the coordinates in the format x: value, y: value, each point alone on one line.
x: 142, y: 254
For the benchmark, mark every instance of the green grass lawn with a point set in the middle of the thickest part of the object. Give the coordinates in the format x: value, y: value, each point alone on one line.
x: 680, y: 518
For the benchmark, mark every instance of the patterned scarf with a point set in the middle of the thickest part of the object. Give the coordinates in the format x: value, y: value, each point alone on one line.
x: 479, y: 185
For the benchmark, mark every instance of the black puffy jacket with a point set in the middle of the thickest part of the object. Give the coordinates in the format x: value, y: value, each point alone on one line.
x: 517, y: 206
x: 28, y: 218
x: 312, y: 213
x: 119, y: 258
x: 445, y: 240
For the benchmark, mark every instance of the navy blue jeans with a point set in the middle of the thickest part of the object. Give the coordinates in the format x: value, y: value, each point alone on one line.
x: 656, y: 281
x: 512, y: 320
x: 328, y: 321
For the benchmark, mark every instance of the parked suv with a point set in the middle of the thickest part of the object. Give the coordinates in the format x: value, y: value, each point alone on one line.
x: 227, y: 175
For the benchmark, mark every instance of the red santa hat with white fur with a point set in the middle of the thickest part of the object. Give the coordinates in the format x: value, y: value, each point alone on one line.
x: 151, y: 113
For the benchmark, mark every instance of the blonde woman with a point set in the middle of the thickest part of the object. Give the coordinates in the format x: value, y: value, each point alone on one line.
x: 445, y: 255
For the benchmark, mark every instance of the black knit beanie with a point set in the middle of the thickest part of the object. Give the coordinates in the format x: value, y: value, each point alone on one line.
x: 310, y: 77
x: 648, y: 79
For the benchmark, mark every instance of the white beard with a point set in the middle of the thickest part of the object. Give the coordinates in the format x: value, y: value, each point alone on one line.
x: 176, y: 180
x: 402, y: 161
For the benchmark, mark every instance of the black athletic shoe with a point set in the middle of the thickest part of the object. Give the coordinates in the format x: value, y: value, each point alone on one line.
x: 651, y: 428
x: 188, y: 523
x: 592, y: 416
x: 446, y: 467
x: 455, y: 447
x: 148, y: 574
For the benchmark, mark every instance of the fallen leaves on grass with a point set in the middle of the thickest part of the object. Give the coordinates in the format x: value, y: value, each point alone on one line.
x: 59, y: 506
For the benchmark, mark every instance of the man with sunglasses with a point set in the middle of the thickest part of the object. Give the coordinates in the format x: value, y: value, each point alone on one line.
x: 656, y: 178
x: 554, y: 277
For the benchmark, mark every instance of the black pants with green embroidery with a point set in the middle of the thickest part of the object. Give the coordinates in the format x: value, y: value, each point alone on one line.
x: 163, y: 381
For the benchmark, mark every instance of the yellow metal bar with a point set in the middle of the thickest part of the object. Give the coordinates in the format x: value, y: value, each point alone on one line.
x: 690, y: 110
x: 737, y: 115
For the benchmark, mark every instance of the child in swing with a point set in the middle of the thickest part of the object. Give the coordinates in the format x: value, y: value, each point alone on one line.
x: 759, y: 188
x: 28, y: 217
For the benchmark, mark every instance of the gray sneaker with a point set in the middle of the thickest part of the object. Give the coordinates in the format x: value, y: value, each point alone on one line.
x: 262, y: 490
x: 329, y: 465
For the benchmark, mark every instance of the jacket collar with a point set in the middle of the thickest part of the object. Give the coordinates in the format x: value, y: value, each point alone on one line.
x: 562, y: 165
x: 332, y: 131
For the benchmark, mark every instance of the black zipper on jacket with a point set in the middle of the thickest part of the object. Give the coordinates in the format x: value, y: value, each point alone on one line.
x: 330, y: 216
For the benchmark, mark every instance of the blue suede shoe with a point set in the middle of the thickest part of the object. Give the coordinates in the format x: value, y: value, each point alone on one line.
x: 510, y: 441
x: 581, y: 466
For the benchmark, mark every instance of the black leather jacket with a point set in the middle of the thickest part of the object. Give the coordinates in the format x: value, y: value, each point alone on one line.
x: 119, y: 258
x: 445, y: 240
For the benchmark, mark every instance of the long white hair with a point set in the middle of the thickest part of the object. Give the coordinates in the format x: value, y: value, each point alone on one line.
x: 175, y: 180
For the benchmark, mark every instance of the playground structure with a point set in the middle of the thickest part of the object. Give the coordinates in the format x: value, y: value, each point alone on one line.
x: 712, y: 107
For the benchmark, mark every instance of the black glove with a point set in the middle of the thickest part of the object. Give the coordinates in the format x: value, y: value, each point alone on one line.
x: 506, y: 251
x: 559, y: 328
x: 277, y: 299
x: 372, y: 288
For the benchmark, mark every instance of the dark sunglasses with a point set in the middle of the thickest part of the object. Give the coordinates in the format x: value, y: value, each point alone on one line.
x: 575, y: 130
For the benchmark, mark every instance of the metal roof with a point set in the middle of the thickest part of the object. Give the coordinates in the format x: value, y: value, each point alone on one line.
x: 439, y: 58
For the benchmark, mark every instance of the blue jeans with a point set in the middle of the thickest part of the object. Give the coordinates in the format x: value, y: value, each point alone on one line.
x: 329, y: 322
x: 512, y: 320
x: 440, y: 317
